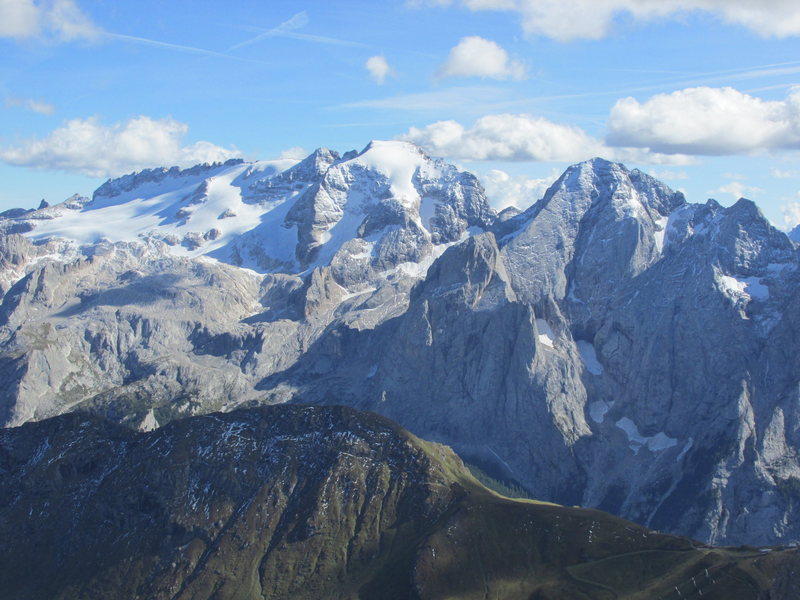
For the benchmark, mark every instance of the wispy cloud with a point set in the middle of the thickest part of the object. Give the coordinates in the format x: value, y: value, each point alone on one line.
x: 697, y: 79
x: 495, y: 98
x: 37, y: 106
x: 784, y: 174
x: 736, y: 190
x: 170, y: 46
x: 289, y: 29
x: 465, y: 98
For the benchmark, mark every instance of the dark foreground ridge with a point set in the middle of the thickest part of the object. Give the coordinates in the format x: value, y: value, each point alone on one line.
x: 317, y: 502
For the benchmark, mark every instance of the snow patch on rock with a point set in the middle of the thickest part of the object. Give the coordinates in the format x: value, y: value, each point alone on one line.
x: 745, y: 287
x: 598, y: 410
x: 545, y: 333
x: 654, y: 443
x: 149, y: 423
x: 660, y: 232
x: 589, y: 357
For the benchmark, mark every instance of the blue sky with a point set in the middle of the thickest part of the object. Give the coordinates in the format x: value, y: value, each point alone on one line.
x: 698, y: 92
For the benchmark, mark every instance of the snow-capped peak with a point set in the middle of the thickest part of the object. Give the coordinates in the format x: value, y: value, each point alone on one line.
x: 284, y: 215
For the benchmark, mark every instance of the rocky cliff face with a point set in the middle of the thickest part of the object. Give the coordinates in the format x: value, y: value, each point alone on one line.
x: 612, y: 346
x: 312, y: 502
x: 139, y: 299
x: 794, y: 235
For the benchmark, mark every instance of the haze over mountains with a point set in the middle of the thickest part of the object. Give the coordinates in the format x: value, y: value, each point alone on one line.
x: 612, y: 346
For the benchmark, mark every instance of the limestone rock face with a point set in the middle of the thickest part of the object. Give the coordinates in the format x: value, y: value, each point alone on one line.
x: 794, y: 235
x: 137, y: 304
x: 654, y: 381
x: 612, y: 346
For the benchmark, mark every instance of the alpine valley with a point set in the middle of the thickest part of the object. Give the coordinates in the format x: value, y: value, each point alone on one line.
x: 613, y: 346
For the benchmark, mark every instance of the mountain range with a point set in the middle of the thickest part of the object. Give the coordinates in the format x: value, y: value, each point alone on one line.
x: 612, y: 346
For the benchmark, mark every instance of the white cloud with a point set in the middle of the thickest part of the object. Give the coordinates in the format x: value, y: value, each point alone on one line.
x: 37, y: 106
x: 668, y: 174
x: 504, y: 190
x: 65, y: 18
x: 295, y: 153
x: 378, y: 68
x: 525, y: 138
x: 647, y: 156
x: 507, y: 137
x: 86, y: 146
x: 566, y: 20
x: 18, y: 18
x: 781, y: 174
x: 475, y: 56
x: 59, y: 19
x: 737, y: 189
x: 791, y: 215
x: 707, y: 121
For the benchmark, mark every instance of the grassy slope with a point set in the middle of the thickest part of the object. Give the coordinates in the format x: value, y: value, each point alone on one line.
x: 490, y: 546
x: 330, y: 519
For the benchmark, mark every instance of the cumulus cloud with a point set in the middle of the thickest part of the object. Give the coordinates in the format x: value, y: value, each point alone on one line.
x: 525, y: 138
x: 294, y: 153
x: 475, y: 56
x: 566, y: 20
x: 736, y: 189
x: 18, y: 18
x: 791, y: 215
x: 37, y: 106
x: 708, y: 121
x: 647, y: 156
x: 378, y: 68
x: 507, y: 137
x: 504, y: 190
x: 91, y: 148
x: 59, y: 19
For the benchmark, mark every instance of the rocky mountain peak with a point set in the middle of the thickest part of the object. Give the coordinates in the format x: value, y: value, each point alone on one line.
x: 395, y: 198
x: 314, y: 165
x: 607, y: 182
x: 597, y: 217
x: 794, y: 235
x: 739, y: 238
